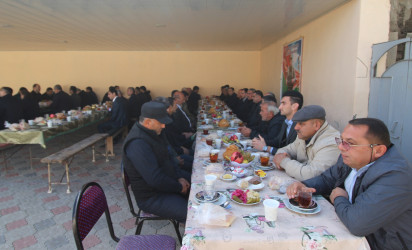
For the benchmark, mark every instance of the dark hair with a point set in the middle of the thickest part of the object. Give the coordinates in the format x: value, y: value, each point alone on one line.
x: 58, y: 86
x: 89, y: 89
x: 185, y: 93
x: 24, y: 92
x: 173, y: 92
x: 295, y: 97
x: 8, y: 90
x: 143, y: 88
x: 252, y: 89
x: 232, y: 88
x: 112, y: 90
x: 48, y: 89
x: 23, y: 89
x: 34, y: 85
x: 377, y: 131
x: 258, y: 92
x: 269, y: 98
x: 196, y: 88
x: 245, y: 89
x: 73, y: 88
x: 131, y: 89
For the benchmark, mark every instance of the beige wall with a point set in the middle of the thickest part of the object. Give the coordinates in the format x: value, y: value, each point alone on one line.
x: 336, y: 58
x: 161, y: 72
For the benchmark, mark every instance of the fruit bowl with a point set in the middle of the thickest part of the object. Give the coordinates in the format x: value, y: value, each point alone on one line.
x: 240, y: 165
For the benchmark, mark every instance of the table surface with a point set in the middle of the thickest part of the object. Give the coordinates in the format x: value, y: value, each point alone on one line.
x: 41, y: 134
x: 250, y: 229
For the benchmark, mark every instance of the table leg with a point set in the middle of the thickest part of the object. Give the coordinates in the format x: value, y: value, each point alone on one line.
x: 94, y: 153
x: 109, y: 145
x: 50, y: 187
x: 68, y: 179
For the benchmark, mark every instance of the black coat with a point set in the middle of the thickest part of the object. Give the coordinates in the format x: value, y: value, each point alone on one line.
x: 61, y: 101
x: 271, y: 129
x: 119, y: 112
x: 47, y: 97
x: 254, y: 117
x: 37, y: 97
x: 30, y: 108
x: 76, y: 101
x: 133, y: 107
x: 282, y: 140
x: 180, y: 123
x: 193, y: 102
x: 11, y: 110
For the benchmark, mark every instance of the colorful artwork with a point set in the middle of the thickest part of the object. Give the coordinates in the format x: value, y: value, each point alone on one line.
x: 314, y: 238
x: 292, y: 66
x: 257, y: 223
x: 193, y: 236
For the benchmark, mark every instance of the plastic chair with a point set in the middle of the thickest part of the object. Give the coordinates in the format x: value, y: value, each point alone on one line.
x: 141, y: 216
x: 90, y: 205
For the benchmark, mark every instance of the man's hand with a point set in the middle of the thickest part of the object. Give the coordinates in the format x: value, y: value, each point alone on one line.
x: 180, y: 160
x: 278, y: 158
x: 185, y: 185
x: 336, y: 192
x: 185, y: 151
x: 246, y: 131
x: 187, y: 134
x: 258, y: 143
x: 294, y: 188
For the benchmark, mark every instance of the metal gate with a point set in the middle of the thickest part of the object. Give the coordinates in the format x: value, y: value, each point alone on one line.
x: 390, y: 97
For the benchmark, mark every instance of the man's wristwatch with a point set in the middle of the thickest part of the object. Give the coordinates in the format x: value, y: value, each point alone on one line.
x: 265, y: 148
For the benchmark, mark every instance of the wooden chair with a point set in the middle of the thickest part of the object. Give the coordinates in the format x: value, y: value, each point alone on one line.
x: 141, y: 216
x: 89, y: 206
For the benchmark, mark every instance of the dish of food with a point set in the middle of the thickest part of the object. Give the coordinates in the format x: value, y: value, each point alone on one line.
x: 251, y: 182
x: 262, y: 174
x: 200, y: 197
x: 239, y: 172
x: 266, y: 168
x: 295, y: 204
x: 247, y: 198
x: 228, y: 177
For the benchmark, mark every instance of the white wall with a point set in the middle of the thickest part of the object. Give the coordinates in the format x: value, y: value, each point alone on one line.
x: 333, y: 46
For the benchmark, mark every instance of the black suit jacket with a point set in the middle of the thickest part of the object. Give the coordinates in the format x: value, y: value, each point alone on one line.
x: 271, y: 130
x: 282, y: 140
x: 180, y: 123
x: 254, y: 117
x: 133, y: 107
x: 119, y: 112
x: 61, y: 101
x: 11, y: 110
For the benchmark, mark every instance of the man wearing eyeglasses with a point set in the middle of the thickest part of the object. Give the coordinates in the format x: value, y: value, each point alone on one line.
x: 314, y: 150
x: 370, y: 186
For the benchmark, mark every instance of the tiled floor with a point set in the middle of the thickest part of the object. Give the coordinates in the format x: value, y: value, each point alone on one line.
x: 30, y: 218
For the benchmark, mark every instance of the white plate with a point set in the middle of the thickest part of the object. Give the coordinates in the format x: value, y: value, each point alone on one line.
x: 291, y: 208
x: 231, y: 179
x: 245, y: 172
x: 207, y: 162
x: 251, y: 186
x: 265, y: 168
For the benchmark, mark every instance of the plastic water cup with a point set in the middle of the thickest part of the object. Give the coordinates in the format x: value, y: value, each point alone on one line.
x: 271, y: 209
x: 218, y: 143
x: 219, y: 133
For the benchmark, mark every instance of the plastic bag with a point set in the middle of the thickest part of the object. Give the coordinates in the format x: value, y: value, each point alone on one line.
x: 203, y: 149
x: 280, y: 183
x: 214, y: 215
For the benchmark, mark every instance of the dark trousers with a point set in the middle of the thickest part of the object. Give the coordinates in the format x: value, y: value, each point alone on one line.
x: 166, y: 205
x: 108, y: 127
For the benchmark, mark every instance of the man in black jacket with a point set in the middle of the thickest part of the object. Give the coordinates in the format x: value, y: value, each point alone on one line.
x: 61, y: 100
x: 290, y: 103
x: 76, y: 99
x: 193, y: 102
x: 119, y: 116
x: 48, y: 95
x: 10, y: 107
x: 91, y: 97
x: 35, y: 94
x: 159, y: 186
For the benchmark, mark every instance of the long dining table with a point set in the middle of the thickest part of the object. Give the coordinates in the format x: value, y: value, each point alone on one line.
x: 250, y: 229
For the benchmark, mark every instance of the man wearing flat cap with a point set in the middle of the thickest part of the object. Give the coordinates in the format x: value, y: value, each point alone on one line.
x: 314, y: 150
x: 159, y: 186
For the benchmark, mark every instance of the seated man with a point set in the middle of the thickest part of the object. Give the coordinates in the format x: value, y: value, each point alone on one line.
x: 61, y: 100
x: 158, y: 185
x: 370, y: 186
x: 290, y: 103
x: 314, y: 150
x: 119, y: 117
x: 48, y: 95
x: 270, y: 124
x: 181, y: 121
x: 11, y: 109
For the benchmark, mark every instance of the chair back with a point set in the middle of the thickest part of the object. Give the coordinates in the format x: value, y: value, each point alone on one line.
x: 89, y: 206
x: 126, y: 184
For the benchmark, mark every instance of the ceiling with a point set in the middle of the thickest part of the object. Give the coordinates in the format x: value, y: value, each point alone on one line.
x: 152, y: 25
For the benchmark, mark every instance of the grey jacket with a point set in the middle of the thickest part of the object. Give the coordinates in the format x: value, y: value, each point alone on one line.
x: 310, y: 160
x: 382, y: 200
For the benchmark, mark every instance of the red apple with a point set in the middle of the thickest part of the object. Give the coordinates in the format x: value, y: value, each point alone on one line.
x: 237, y: 157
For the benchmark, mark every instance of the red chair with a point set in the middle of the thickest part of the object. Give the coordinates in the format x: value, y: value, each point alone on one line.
x: 141, y: 216
x: 90, y: 205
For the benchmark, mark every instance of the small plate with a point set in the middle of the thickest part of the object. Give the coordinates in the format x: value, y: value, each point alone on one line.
x: 240, y: 175
x: 265, y: 168
x: 231, y: 179
x: 199, y: 197
x: 293, y: 209
x: 294, y: 203
x: 207, y: 162
x: 251, y: 186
